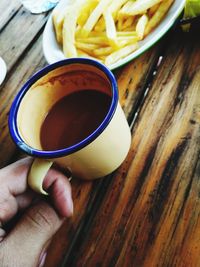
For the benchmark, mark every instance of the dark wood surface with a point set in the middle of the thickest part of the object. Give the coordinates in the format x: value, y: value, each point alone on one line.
x: 147, y: 213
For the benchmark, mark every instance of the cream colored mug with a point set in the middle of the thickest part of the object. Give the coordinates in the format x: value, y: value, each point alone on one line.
x: 98, y: 154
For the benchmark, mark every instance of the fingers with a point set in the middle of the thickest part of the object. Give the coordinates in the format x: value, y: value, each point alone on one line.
x: 26, y: 241
x: 9, y: 205
x: 24, y: 200
x: 60, y: 192
x: 14, y: 194
x: 13, y: 191
x: 14, y: 176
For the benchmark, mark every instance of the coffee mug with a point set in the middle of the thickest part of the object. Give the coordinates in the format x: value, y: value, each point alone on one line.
x: 91, y: 138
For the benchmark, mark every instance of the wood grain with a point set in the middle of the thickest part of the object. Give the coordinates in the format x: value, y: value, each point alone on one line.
x: 133, y: 80
x: 63, y: 242
x: 19, y: 71
x: 7, y: 11
x: 150, y: 214
x: 19, y: 35
x: 147, y: 212
x: 16, y: 78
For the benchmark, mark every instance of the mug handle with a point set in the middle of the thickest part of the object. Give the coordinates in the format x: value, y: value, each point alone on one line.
x: 38, y: 171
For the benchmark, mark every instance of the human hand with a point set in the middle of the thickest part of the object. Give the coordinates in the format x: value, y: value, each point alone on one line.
x: 25, y: 243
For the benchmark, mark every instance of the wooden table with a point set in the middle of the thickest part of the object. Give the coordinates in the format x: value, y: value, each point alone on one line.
x: 147, y: 213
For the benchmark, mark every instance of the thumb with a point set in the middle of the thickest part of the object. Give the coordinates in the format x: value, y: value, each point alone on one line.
x: 27, y: 240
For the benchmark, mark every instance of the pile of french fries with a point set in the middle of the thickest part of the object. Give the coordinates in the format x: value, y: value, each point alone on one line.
x: 106, y: 30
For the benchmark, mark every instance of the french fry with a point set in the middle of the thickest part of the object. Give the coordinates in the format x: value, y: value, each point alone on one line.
x: 94, y: 16
x: 106, y: 30
x: 130, y: 39
x: 158, y: 16
x: 127, y: 33
x: 110, y: 27
x: 100, y: 25
x: 115, y: 6
x: 123, y: 38
x: 152, y: 10
x: 141, y: 25
x: 139, y: 7
x: 84, y: 54
x: 103, y: 51
x: 100, y: 40
x: 122, y: 11
x: 86, y: 10
x: 125, y: 42
x: 119, y: 54
x: 58, y: 20
x: 69, y: 28
x: 95, y: 34
x: 88, y: 48
x: 127, y: 22
x: 120, y: 22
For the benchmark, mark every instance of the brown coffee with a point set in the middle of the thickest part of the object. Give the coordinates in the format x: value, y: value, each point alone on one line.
x: 73, y: 118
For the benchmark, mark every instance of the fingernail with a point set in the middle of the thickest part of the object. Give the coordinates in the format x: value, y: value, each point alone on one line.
x: 42, y: 259
x: 70, y: 205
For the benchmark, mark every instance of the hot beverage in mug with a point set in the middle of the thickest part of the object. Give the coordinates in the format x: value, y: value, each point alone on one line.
x: 73, y: 118
x: 69, y: 113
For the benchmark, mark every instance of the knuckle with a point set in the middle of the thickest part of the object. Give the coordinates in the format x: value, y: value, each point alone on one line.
x: 8, y: 205
x: 43, y: 217
x: 3, y: 214
x: 6, y: 211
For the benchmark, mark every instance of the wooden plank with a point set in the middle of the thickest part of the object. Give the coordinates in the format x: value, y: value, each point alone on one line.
x: 84, y: 193
x: 130, y: 210
x: 19, y: 35
x: 20, y: 71
x: 62, y: 241
x: 134, y: 78
x: 15, y: 80
x: 150, y: 215
x: 7, y: 11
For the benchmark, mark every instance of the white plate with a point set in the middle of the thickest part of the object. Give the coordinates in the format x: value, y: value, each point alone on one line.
x: 3, y: 70
x: 53, y: 51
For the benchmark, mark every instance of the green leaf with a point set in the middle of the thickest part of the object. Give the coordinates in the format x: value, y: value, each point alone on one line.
x: 192, y: 9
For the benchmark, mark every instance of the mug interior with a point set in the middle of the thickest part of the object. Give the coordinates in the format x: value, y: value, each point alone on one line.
x: 50, y: 88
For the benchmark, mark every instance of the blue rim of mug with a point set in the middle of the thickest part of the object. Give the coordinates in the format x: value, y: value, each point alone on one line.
x: 12, y: 120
